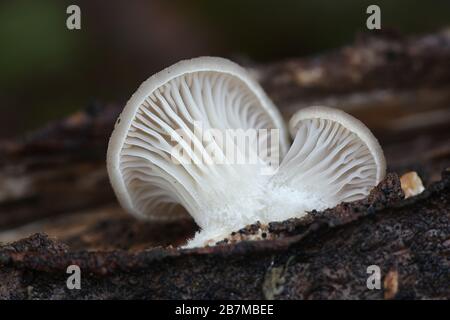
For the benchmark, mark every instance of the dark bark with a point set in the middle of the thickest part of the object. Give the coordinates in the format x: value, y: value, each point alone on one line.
x: 324, y: 256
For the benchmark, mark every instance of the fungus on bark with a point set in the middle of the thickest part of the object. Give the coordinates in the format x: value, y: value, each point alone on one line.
x: 172, y: 145
x: 165, y: 149
x: 334, y: 158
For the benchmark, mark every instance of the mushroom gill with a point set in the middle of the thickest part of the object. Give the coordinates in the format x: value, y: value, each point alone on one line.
x: 334, y: 158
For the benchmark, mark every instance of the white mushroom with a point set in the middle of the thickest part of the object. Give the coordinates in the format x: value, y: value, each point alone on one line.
x: 171, y: 146
x: 334, y: 158
x: 158, y: 156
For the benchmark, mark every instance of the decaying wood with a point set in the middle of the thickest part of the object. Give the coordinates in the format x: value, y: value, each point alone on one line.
x: 324, y: 256
x: 54, y: 181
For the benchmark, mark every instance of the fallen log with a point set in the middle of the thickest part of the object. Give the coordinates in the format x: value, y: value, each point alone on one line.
x: 325, y: 256
x: 55, y: 181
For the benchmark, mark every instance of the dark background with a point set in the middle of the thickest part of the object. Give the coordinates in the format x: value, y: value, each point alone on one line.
x: 48, y: 71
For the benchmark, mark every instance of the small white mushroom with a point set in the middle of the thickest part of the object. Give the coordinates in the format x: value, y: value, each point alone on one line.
x: 334, y: 158
x: 158, y: 157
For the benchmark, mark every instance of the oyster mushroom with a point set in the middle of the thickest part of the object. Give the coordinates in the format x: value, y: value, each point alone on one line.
x: 158, y: 156
x: 334, y: 158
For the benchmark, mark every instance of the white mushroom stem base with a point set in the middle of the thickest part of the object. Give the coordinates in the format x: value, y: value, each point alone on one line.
x: 262, y: 200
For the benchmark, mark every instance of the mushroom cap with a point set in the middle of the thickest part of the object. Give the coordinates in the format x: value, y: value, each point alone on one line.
x: 334, y: 158
x: 214, y: 91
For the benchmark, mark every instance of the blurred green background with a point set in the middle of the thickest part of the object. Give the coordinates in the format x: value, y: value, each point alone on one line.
x: 47, y: 71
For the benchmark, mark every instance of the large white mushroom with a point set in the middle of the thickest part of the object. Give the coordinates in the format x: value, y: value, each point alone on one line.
x: 166, y: 147
x: 171, y: 146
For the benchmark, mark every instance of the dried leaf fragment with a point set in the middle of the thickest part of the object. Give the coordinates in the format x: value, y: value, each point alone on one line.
x: 411, y: 184
x: 391, y: 285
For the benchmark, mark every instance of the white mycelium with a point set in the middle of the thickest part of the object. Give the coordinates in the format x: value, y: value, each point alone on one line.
x: 171, y: 146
